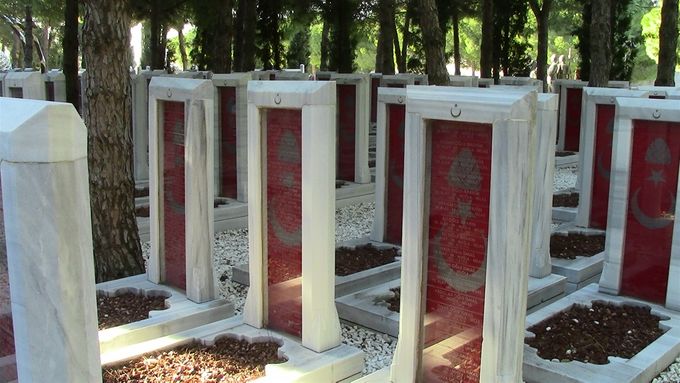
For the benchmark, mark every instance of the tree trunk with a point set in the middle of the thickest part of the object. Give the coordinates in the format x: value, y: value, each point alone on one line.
x: 668, y: 43
x: 28, y: 38
x: 395, y: 41
x: 406, y: 40
x: 486, y: 54
x: 70, y: 51
x: 221, y: 49
x: 45, y: 46
x: 183, y: 48
x: 325, y: 32
x: 157, y: 57
x: 600, y: 43
x: 433, y: 43
x: 385, y: 55
x: 542, y: 15
x: 107, y: 112
x: 455, y: 20
x: 249, y: 29
x: 238, y: 35
x: 17, y: 51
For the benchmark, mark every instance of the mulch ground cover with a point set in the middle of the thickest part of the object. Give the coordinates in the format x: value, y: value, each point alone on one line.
x: 591, y: 334
x: 228, y: 361
x: 126, y: 308
x: 564, y: 154
x: 394, y: 301
x: 565, y: 200
x: 350, y: 260
x: 573, y: 245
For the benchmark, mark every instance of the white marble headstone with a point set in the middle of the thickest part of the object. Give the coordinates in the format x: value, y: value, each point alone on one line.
x: 30, y: 84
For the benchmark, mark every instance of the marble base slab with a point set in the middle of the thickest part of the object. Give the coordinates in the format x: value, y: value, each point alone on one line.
x: 564, y: 214
x: 347, y: 284
x: 566, y: 161
x: 581, y: 271
x: 303, y: 365
x: 368, y: 308
x: 643, y: 367
x: 380, y: 376
x: 353, y: 193
x: 181, y: 314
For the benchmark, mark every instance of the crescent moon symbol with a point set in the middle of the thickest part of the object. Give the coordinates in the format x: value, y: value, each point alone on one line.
x: 601, y: 169
x: 647, y: 221
x: 460, y: 282
x: 289, y: 238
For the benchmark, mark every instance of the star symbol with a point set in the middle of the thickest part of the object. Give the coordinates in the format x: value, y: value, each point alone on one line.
x: 657, y: 177
x: 464, y: 211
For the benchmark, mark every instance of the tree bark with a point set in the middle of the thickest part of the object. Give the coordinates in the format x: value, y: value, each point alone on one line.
x: 107, y: 111
x: 28, y: 37
x: 183, y: 48
x: 542, y: 14
x: 406, y: 41
x: 70, y: 51
x: 668, y: 43
x: 45, y: 46
x: 17, y: 51
x: 385, y: 54
x: 223, y: 37
x: 395, y: 40
x: 600, y: 43
x: 155, y: 46
x: 486, y: 54
x: 325, y: 32
x: 455, y: 20
x: 249, y: 29
x: 433, y: 43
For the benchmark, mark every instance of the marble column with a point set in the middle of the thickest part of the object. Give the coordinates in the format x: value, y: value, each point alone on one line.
x: 43, y: 154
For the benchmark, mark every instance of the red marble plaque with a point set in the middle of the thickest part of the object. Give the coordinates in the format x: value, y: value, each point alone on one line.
x: 456, y: 263
x: 572, y: 126
x: 16, y: 92
x: 227, y: 101
x: 602, y: 159
x: 49, y: 91
x: 346, y: 131
x: 396, y: 118
x: 375, y: 83
x: 6, y: 329
x: 284, y: 220
x: 650, y: 215
x: 174, y: 220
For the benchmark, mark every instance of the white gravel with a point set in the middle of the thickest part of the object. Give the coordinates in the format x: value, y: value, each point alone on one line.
x: 671, y: 375
x: 565, y: 178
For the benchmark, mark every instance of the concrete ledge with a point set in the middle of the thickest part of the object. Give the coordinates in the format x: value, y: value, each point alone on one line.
x: 380, y: 376
x: 643, y: 367
x: 303, y: 365
x: 564, y: 214
x: 582, y: 270
x: 352, y: 193
x: 545, y: 289
x: 181, y: 314
x: 567, y: 161
x: 363, y: 309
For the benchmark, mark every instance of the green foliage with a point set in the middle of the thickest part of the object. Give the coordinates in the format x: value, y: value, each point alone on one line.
x: 298, y: 52
x: 343, y: 35
x: 650, y: 23
x: 510, y: 37
x: 270, y: 34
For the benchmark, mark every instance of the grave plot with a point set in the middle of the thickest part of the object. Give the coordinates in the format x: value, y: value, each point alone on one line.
x: 577, y: 254
x: 181, y: 206
x: 465, y: 244
x: 55, y: 86
x: 657, y: 92
x: 464, y: 81
x: 597, y: 131
x: 293, y: 75
x: 353, y: 108
x: 28, y: 85
x: 640, y: 266
x: 522, y: 81
x: 43, y: 166
x: 485, y: 82
x: 396, y: 81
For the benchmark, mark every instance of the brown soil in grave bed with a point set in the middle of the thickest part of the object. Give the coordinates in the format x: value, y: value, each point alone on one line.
x: 143, y: 211
x: 572, y: 245
x: 228, y: 361
x: 144, y: 192
x: 353, y: 260
x: 394, y: 302
x: 591, y: 334
x: 564, y: 154
x: 565, y: 200
x: 126, y: 308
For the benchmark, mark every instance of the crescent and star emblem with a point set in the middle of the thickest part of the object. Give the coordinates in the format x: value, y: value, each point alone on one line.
x: 658, y: 153
x: 287, y: 152
x: 458, y: 281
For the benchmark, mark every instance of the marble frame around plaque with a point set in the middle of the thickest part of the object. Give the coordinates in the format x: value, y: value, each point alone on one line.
x: 464, y: 81
x: 628, y: 110
x: 592, y: 98
x: 240, y: 82
x: 511, y: 117
x: 140, y: 122
x: 58, y: 80
x: 361, y: 82
x: 197, y: 97
x: 317, y: 99
x: 386, y: 97
x: 30, y: 82
x: 396, y: 81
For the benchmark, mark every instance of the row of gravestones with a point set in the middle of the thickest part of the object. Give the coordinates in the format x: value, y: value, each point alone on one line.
x: 464, y: 179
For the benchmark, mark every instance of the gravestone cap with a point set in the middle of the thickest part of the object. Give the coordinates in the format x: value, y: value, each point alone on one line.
x: 41, y: 131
